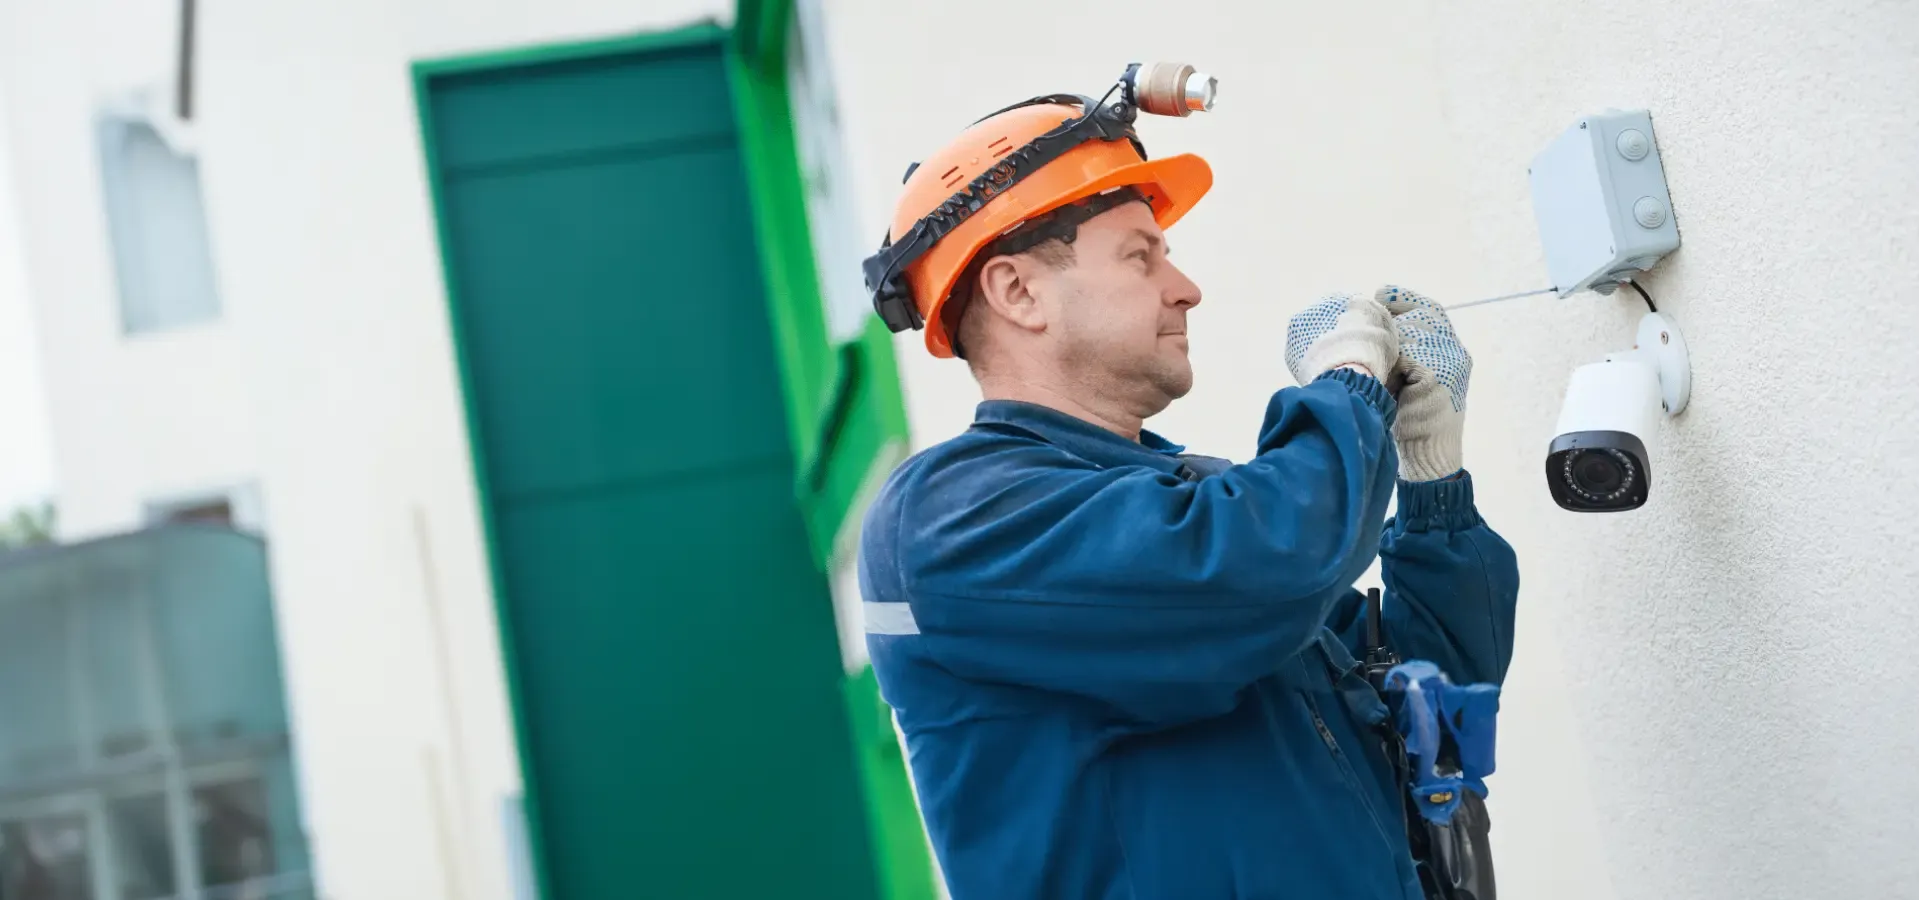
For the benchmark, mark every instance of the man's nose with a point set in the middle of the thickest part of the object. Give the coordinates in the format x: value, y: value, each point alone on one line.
x: 1181, y: 292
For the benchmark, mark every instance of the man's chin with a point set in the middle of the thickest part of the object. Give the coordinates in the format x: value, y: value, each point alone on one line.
x: 1175, y: 384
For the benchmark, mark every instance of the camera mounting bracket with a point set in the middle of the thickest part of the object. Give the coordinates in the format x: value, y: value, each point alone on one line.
x: 1660, y: 345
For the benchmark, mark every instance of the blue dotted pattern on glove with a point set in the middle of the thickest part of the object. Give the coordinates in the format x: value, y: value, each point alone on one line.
x: 1426, y: 337
x: 1311, y: 324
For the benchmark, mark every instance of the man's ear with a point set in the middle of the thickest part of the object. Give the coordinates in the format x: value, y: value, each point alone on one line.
x: 1005, y: 284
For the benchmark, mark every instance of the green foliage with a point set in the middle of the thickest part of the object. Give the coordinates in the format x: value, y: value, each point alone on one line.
x: 27, y: 526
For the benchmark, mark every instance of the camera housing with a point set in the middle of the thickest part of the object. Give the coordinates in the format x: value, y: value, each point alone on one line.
x: 1600, y: 458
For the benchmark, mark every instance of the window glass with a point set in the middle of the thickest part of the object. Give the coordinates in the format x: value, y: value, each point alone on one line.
x: 831, y: 210
x: 236, y: 836
x: 143, y: 850
x: 45, y: 859
x: 157, y: 224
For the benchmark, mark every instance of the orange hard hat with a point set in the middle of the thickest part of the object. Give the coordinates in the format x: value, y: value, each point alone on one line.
x: 1008, y: 168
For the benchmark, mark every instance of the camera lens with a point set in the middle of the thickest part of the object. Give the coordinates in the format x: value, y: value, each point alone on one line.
x: 1597, y: 475
x: 1601, y: 476
x: 1598, y: 471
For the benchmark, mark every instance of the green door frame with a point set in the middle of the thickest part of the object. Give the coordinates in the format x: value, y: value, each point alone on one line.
x: 846, y: 410
x: 849, y: 411
x: 848, y: 420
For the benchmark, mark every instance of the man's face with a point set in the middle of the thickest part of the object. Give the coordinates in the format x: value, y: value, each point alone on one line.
x: 1116, y: 316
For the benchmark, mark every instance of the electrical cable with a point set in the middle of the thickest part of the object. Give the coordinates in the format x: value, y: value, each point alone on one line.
x: 1634, y: 284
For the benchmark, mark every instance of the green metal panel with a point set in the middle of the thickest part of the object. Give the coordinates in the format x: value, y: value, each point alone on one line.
x: 671, y: 649
x: 583, y: 108
x: 619, y: 339
x: 848, y: 416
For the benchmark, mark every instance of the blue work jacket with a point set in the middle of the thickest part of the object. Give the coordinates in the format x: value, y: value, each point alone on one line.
x: 1120, y: 676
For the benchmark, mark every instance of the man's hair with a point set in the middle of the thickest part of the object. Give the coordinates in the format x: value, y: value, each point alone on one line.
x: 1047, y: 238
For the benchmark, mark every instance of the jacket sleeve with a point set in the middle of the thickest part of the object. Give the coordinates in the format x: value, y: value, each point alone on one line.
x: 1452, y: 583
x: 1159, y: 598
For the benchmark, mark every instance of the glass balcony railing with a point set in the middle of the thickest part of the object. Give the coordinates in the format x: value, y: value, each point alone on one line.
x: 144, y: 744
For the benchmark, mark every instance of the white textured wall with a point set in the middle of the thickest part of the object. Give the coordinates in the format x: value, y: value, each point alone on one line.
x: 1709, y: 696
x: 329, y: 381
x: 1738, y: 654
x: 26, y: 454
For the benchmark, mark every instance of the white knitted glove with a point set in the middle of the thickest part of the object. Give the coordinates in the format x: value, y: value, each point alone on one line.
x: 1432, y: 372
x: 1341, y: 330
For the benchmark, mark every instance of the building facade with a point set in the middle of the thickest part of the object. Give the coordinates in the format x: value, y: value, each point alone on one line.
x: 454, y: 304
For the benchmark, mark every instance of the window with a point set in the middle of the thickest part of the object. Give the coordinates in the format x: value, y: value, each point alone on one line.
x: 143, y: 845
x: 830, y: 204
x: 45, y: 854
x: 45, y: 859
x: 232, y: 834
x: 157, y: 225
x: 235, y: 832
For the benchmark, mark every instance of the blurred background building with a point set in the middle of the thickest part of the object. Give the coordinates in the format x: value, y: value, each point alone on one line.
x: 145, y: 749
x: 462, y: 414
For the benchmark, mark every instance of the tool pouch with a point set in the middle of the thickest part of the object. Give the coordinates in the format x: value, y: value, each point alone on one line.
x: 1442, y: 749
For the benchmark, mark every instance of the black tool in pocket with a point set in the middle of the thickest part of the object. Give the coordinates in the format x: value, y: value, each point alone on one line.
x: 1454, y: 859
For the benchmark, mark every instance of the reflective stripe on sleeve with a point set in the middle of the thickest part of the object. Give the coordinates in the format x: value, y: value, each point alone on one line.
x: 889, y: 618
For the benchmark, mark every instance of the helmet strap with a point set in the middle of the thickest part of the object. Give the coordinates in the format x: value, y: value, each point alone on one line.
x: 885, y: 270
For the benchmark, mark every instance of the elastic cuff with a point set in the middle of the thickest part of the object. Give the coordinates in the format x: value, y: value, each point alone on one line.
x: 1428, y: 457
x: 1443, y: 504
x: 1368, y: 389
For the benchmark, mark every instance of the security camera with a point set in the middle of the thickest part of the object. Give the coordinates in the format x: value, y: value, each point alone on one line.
x: 1600, y: 459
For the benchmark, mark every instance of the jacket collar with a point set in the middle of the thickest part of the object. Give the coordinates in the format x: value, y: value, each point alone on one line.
x: 1082, y: 438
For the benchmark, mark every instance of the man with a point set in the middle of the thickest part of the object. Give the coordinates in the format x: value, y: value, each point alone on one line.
x: 1122, y: 671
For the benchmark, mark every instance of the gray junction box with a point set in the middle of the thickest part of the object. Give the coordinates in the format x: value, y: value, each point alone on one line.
x: 1599, y: 195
